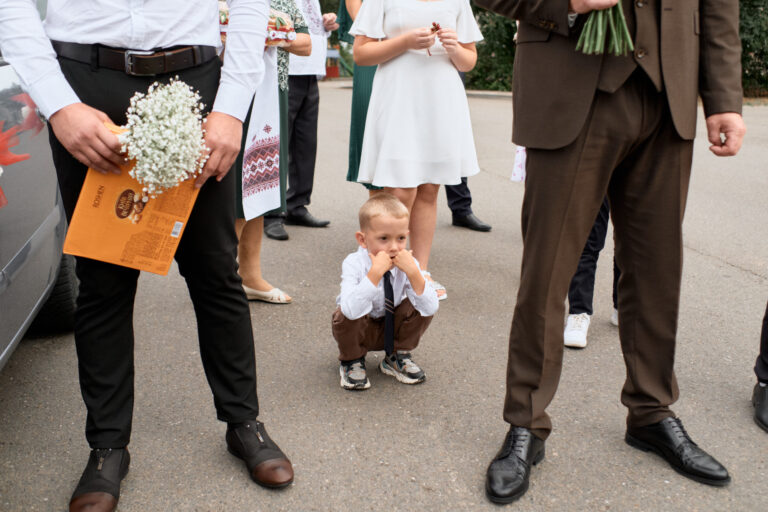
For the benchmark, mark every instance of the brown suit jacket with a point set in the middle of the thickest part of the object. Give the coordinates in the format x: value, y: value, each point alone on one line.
x: 553, y: 85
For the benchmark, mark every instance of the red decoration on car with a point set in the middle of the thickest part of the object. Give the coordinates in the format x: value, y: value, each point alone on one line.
x: 7, y: 141
x: 31, y: 119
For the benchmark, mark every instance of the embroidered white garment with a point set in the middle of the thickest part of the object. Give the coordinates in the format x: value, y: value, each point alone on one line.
x: 261, y: 157
x: 518, y: 169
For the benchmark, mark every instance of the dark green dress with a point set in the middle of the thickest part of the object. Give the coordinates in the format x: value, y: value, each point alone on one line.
x: 362, y: 83
x: 289, y: 8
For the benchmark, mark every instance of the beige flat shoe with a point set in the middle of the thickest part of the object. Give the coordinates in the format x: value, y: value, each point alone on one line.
x: 273, y: 296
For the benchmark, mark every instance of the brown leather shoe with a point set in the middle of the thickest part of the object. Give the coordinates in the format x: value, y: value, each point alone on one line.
x: 99, y: 486
x: 266, y: 463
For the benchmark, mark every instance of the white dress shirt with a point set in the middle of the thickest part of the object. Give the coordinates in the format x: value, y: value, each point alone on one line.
x: 136, y: 25
x: 359, y: 297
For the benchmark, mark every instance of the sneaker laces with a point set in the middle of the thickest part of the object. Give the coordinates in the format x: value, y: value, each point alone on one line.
x: 578, y: 322
x: 356, y: 371
x: 407, y: 364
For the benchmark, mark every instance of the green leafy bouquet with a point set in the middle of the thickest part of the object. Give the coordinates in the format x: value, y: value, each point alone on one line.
x: 607, y: 26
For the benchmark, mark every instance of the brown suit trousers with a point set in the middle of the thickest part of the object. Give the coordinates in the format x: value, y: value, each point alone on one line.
x: 629, y: 149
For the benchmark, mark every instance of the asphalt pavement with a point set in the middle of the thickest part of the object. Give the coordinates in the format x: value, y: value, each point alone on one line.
x: 426, y: 447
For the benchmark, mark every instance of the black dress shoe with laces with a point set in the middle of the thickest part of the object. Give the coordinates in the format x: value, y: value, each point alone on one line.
x: 507, y: 477
x: 760, y: 401
x: 669, y: 439
x: 99, y: 486
x: 266, y: 462
x: 305, y: 219
x: 470, y: 222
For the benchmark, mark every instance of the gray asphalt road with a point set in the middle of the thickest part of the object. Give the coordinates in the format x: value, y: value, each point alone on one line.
x: 427, y: 447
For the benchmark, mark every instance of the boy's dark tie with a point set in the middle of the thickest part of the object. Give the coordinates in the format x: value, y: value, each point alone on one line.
x: 389, y: 315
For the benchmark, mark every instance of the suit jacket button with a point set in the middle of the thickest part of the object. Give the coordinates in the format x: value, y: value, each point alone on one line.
x: 640, y: 3
x: 640, y: 53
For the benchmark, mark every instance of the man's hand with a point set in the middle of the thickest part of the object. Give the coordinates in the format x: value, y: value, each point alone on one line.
x: 584, y: 6
x: 329, y: 22
x: 222, y: 136
x: 81, y: 130
x: 731, y: 126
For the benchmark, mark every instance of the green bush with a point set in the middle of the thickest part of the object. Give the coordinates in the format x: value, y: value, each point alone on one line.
x: 494, y: 54
x: 754, y: 47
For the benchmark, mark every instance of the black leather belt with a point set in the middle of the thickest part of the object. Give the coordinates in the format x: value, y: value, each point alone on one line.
x: 136, y: 62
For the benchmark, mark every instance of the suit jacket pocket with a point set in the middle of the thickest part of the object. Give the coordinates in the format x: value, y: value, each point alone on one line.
x: 527, y: 33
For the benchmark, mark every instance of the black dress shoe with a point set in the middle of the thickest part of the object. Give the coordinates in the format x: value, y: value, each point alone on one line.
x: 470, y: 222
x: 266, y: 463
x: 305, y: 219
x: 669, y: 439
x: 507, y: 477
x: 760, y: 401
x: 99, y: 486
x: 275, y: 230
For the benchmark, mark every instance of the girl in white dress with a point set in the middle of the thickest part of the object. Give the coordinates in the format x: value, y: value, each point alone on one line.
x: 418, y: 134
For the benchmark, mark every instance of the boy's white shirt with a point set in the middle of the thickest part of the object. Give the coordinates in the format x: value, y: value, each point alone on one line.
x: 359, y: 296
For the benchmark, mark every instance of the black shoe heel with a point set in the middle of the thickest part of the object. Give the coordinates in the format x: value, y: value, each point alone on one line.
x: 636, y: 443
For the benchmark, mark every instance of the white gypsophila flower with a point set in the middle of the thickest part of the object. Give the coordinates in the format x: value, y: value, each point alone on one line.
x: 164, y: 136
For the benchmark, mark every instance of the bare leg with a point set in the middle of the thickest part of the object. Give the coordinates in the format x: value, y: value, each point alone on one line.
x: 405, y: 195
x: 249, y: 253
x: 423, y: 220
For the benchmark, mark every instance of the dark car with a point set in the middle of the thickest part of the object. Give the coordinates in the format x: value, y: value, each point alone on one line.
x: 37, y: 282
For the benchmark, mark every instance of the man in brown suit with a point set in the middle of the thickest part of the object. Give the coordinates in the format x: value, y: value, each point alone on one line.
x: 621, y: 126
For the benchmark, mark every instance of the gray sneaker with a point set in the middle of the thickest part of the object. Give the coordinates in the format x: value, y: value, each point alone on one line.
x: 400, y: 365
x: 353, y: 375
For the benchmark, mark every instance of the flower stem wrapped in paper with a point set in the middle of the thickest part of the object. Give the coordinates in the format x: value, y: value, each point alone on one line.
x: 280, y: 30
x: 136, y: 219
x: 607, y: 26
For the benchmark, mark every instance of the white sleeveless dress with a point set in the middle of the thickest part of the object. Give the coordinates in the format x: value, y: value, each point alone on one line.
x: 418, y: 128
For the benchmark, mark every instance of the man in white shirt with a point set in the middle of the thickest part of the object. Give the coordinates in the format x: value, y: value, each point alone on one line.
x: 303, y: 108
x: 107, y: 50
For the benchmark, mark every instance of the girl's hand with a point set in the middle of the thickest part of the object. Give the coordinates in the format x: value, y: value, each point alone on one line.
x: 420, y: 38
x: 449, y: 40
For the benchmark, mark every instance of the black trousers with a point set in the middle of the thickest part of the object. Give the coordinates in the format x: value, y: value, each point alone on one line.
x: 761, y: 365
x: 303, y: 108
x: 206, y: 258
x: 582, y: 288
x: 459, y: 198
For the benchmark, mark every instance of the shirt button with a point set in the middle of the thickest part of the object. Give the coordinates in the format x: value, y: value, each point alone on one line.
x: 640, y: 53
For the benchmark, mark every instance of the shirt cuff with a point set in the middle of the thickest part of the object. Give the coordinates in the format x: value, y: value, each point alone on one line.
x: 233, y: 99
x: 52, y: 93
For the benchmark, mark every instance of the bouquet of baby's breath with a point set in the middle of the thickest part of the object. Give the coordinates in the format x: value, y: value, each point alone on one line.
x: 164, y: 136
x: 607, y: 26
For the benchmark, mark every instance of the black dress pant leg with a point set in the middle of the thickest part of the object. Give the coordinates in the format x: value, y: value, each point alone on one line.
x: 104, y: 319
x: 582, y: 288
x: 459, y: 198
x: 303, y: 109
x: 761, y: 366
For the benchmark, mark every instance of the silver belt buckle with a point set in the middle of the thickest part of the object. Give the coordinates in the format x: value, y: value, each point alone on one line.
x: 129, y: 54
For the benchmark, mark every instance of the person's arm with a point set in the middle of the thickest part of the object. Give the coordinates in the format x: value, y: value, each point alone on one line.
x: 78, y: 127
x: 463, y: 55
x: 301, y: 46
x: 372, y: 52
x: 242, y: 72
x: 720, y: 75
x: 357, y: 290
x: 549, y: 15
x: 353, y: 7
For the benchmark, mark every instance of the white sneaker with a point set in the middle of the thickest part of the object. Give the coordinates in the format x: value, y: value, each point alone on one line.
x: 576, y: 327
x: 615, y: 317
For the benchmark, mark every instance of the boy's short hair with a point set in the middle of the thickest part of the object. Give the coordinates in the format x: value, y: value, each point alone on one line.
x: 382, y: 203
